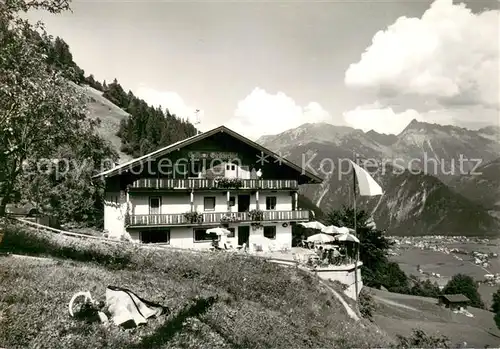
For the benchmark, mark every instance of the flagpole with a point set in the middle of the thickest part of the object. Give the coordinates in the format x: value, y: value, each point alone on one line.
x: 355, y: 227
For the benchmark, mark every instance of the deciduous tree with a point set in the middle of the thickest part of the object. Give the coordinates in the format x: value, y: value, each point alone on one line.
x: 464, y: 284
x: 41, y: 111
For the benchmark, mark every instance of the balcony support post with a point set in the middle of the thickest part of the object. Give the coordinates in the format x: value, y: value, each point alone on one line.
x: 228, y: 198
x: 257, y: 199
x: 296, y: 201
x: 192, y: 200
x: 128, y: 208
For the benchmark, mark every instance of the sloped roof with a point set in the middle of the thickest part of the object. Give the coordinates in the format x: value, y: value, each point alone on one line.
x: 456, y: 298
x: 178, y: 145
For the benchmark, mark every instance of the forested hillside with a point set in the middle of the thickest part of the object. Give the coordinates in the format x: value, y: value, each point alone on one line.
x: 148, y: 127
x: 50, y: 144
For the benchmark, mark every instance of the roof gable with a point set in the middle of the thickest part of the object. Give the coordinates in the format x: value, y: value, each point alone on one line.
x: 456, y: 298
x: 122, y: 168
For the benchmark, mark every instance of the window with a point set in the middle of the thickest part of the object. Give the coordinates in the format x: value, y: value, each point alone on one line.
x: 200, y: 235
x: 195, y: 169
x: 209, y: 203
x: 155, y: 236
x: 270, y: 202
x: 154, y: 205
x: 180, y: 171
x: 232, y: 201
x: 233, y: 231
x: 270, y: 232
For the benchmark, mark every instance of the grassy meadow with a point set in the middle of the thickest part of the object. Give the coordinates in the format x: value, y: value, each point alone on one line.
x: 397, y: 314
x: 217, y: 300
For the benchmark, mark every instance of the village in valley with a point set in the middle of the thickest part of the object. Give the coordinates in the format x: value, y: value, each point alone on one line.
x: 477, y: 251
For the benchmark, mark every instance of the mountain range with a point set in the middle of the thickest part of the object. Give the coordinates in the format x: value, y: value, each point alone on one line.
x: 437, y: 179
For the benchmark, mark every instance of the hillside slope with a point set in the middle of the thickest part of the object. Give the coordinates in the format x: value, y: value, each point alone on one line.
x: 110, y: 117
x: 483, y: 187
x: 217, y: 300
x: 398, y: 314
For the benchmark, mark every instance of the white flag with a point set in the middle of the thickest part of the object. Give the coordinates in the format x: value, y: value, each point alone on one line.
x: 366, y: 184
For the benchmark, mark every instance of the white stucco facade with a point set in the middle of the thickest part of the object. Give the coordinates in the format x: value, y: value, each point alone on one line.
x: 180, y: 203
x: 183, y: 237
x: 115, y: 207
x: 156, y: 206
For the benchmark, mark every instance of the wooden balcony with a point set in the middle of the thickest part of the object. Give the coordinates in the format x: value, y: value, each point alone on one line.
x: 212, y: 218
x: 212, y: 184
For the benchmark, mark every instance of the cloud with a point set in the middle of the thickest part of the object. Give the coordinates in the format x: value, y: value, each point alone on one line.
x: 262, y: 113
x: 384, y: 119
x: 380, y: 119
x: 450, y: 54
x: 167, y: 100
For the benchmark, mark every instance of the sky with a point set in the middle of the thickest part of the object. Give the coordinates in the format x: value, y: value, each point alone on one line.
x: 262, y: 67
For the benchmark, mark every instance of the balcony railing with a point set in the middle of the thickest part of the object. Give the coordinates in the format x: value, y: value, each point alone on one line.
x: 215, y: 218
x: 204, y: 183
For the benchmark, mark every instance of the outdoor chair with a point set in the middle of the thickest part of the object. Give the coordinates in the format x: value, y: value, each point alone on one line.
x: 229, y: 248
x: 284, y: 248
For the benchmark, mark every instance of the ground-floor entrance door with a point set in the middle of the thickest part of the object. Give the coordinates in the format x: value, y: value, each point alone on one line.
x: 243, y: 203
x: 243, y: 235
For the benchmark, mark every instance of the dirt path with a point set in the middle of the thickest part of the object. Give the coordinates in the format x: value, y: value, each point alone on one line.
x: 350, y: 312
x: 396, y: 304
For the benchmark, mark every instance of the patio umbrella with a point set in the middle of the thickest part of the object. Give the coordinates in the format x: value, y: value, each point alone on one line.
x: 313, y: 225
x: 321, y: 237
x: 331, y: 229
x: 346, y: 237
x: 218, y: 231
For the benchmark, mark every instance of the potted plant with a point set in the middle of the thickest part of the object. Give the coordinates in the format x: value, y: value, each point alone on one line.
x: 256, y: 225
x: 256, y: 215
x: 193, y: 217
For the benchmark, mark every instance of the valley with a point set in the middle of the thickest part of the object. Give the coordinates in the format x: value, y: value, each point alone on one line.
x: 439, y: 258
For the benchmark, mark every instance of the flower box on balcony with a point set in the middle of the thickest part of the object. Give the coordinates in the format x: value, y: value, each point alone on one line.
x: 228, y: 218
x: 229, y: 183
x: 193, y: 217
x: 256, y: 215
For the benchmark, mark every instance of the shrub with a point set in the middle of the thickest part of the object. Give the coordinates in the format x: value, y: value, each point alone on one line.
x: 495, y: 306
x: 366, y: 304
x: 419, y: 339
x: 497, y: 319
x: 425, y: 289
x: 26, y: 241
